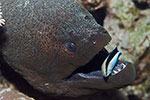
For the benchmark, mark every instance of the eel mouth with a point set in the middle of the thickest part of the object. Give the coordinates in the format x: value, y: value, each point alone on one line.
x: 93, y: 70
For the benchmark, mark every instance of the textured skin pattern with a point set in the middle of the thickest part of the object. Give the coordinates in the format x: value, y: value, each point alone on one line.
x: 37, y: 31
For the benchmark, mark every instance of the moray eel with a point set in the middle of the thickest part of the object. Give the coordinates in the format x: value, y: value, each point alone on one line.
x: 58, y: 47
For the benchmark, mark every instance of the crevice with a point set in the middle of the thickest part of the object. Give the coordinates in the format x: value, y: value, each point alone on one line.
x: 92, y: 65
x: 100, y: 15
x: 141, y: 5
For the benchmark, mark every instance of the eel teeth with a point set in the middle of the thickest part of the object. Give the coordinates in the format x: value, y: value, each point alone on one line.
x: 110, y: 62
x: 2, y: 21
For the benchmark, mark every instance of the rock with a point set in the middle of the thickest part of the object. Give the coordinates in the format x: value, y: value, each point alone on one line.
x: 12, y: 94
x: 9, y: 92
x: 130, y: 29
x: 92, y: 5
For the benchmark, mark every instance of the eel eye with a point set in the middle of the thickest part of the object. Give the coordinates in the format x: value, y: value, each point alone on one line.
x: 94, y: 42
x: 70, y: 46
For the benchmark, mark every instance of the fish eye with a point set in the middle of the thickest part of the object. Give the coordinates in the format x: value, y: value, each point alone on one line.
x: 70, y: 46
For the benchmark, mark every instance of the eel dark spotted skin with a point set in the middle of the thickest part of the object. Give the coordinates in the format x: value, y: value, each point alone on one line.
x: 47, y: 40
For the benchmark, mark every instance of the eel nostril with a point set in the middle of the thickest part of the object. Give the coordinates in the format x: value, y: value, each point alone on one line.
x: 87, y: 17
x: 94, y: 42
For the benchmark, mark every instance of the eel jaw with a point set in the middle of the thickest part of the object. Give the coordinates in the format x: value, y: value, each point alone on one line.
x: 122, y: 74
x: 96, y: 67
x: 95, y: 80
x: 98, y: 73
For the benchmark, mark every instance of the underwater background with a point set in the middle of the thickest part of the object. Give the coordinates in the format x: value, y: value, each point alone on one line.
x: 128, y: 22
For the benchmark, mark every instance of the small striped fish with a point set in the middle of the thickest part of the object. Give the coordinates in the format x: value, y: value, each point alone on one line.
x: 110, y: 62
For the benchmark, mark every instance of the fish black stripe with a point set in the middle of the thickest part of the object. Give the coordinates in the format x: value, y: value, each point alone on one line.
x: 112, y: 54
x: 118, y: 57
